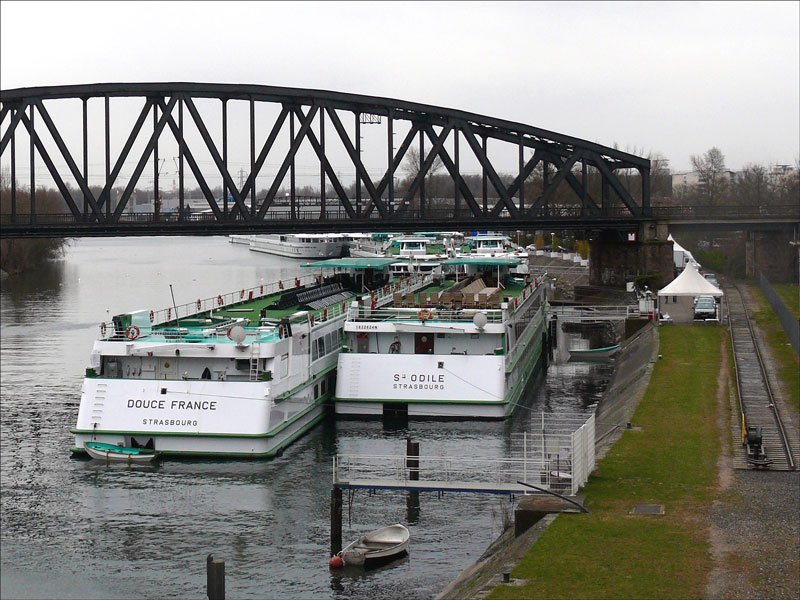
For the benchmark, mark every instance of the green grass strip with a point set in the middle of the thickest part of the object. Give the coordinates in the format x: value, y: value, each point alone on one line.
x: 671, y: 460
x: 789, y: 294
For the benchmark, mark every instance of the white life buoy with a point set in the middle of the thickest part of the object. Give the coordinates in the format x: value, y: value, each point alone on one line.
x: 132, y: 332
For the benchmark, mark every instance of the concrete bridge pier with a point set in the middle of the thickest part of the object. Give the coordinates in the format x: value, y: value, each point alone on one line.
x: 614, y: 259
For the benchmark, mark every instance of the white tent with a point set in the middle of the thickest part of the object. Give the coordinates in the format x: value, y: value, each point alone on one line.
x: 681, y: 255
x: 677, y: 298
x: 690, y: 283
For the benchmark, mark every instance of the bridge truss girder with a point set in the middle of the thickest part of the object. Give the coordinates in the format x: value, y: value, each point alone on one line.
x: 308, y: 113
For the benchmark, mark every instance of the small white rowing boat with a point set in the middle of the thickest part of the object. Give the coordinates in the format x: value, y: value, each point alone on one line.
x: 112, y: 453
x: 377, y: 547
x: 594, y: 354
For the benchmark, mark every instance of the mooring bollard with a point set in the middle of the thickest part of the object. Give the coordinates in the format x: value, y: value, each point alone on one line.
x: 215, y: 578
x: 336, y: 521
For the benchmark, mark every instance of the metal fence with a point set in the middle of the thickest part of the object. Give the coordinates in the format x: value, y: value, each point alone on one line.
x: 789, y: 323
x: 557, y: 454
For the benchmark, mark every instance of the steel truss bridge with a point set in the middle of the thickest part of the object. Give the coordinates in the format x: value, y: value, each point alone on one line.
x: 608, y: 188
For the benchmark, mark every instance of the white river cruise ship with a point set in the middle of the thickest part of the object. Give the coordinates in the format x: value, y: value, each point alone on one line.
x: 464, y: 346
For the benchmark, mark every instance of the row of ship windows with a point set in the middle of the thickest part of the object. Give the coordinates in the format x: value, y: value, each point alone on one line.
x: 326, y: 344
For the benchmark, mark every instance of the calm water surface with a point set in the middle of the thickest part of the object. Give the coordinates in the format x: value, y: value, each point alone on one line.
x: 75, y: 529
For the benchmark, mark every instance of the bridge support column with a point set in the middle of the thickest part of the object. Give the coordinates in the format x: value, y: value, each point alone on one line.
x: 615, y: 260
x: 771, y: 253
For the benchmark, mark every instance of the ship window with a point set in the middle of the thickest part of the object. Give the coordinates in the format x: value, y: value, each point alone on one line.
x: 440, y: 335
x: 316, y: 392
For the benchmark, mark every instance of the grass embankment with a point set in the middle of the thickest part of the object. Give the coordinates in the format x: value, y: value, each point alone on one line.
x: 671, y: 460
x: 788, y: 293
x: 787, y: 361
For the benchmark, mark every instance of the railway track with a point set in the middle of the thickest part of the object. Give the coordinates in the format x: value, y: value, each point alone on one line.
x: 780, y: 440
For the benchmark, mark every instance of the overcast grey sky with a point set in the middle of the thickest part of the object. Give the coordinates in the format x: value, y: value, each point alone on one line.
x: 669, y: 78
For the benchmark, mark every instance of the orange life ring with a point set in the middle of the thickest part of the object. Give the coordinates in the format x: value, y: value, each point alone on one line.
x: 325, y: 314
x: 281, y: 331
x: 132, y: 332
x: 199, y: 304
x: 241, y: 294
x: 296, y: 282
x: 152, y: 316
x: 219, y: 300
x: 424, y: 314
x: 102, y: 329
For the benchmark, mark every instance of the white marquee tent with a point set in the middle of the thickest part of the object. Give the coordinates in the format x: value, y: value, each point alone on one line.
x: 677, y: 298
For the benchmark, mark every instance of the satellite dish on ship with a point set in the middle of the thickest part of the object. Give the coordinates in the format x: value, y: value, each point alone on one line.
x: 480, y: 320
x: 237, y: 334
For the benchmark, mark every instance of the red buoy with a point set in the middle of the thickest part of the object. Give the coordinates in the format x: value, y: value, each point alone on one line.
x: 336, y: 562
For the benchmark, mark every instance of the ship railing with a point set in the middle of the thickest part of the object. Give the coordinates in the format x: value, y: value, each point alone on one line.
x: 455, y: 472
x: 384, y: 294
x: 218, y: 302
x: 432, y: 314
x: 221, y: 301
x: 523, y: 344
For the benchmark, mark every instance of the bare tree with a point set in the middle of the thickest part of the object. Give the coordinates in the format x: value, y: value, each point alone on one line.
x: 753, y: 186
x: 713, y: 174
x: 412, y: 163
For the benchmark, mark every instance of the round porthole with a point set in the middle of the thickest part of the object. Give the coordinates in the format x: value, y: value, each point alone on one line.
x: 166, y: 365
x: 424, y: 338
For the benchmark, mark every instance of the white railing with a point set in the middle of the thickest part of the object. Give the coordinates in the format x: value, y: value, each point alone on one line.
x: 218, y: 302
x: 222, y: 301
x: 486, y: 473
x: 565, y: 440
x: 595, y: 313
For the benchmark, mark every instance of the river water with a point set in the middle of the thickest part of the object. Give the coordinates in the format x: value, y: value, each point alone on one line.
x: 75, y: 529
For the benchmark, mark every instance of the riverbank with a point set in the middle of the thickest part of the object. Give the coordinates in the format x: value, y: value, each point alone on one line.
x: 634, y: 366
x: 724, y: 534
x: 666, y: 460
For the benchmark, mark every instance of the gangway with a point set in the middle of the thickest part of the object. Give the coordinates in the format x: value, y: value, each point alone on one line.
x: 445, y: 474
x: 557, y: 454
x: 596, y: 313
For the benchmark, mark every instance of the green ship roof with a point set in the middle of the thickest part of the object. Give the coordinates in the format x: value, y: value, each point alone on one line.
x: 351, y: 263
x: 495, y: 261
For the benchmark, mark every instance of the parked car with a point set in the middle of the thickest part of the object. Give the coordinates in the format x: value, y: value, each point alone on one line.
x: 705, y: 307
x: 712, y: 279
